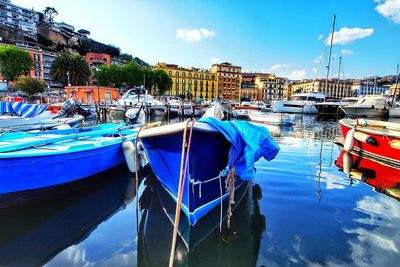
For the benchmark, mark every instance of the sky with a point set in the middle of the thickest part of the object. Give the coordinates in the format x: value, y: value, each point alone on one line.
x: 289, y: 38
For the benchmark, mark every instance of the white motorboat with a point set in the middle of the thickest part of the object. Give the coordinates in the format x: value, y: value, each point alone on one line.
x: 298, y: 103
x: 368, y: 106
x: 135, y: 97
x: 272, y: 118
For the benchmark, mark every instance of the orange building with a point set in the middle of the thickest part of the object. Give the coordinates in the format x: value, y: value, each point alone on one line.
x: 229, y: 78
x: 95, y: 60
x: 90, y: 94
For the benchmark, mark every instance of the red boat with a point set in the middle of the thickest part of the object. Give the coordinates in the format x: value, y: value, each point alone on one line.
x: 383, y: 178
x: 378, y: 140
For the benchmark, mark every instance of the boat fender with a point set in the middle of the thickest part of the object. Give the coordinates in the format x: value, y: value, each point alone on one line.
x: 357, y: 175
x: 130, y: 155
x: 347, y: 163
x: 349, y: 141
x: 363, y: 137
x: 395, y: 144
x: 393, y: 191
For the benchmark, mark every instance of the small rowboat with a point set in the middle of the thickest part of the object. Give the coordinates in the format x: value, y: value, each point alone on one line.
x: 272, y: 118
x: 36, y: 160
x: 379, y: 140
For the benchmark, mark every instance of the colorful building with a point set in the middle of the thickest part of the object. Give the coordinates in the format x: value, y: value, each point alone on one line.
x: 229, y: 80
x: 193, y: 82
x: 95, y: 60
x: 335, y: 88
x: 92, y: 94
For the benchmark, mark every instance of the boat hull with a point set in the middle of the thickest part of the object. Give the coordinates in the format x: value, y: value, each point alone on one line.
x: 286, y: 106
x: 364, y: 112
x: 208, y: 156
x: 272, y: 118
x: 380, y: 149
x: 243, y: 111
x: 26, y: 173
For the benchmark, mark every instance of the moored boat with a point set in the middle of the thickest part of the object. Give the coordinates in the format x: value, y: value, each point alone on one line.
x: 368, y: 106
x: 379, y: 140
x: 214, y: 149
x: 272, y: 118
x: 36, y: 160
x: 298, y: 103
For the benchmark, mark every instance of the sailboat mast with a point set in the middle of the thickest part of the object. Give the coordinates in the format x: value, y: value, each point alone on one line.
x: 338, y: 76
x: 395, y: 87
x: 330, y: 54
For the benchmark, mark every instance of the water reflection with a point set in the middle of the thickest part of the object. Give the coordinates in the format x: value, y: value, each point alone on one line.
x: 33, y: 234
x: 383, y: 178
x: 202, y: 244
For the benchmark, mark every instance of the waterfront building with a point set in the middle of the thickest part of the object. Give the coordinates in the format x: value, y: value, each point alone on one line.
x: 91, y: 94
x: 118, y: 61
x: 336, y: 88
x: 249, y: 88
x: 95, y: 60
x: 228, y: 80
x: 18, y: 18
x: 393, y: 89
x: 270, y: 87
x: 368, y: 86
x: 36, y: 54
x: 190, y: 82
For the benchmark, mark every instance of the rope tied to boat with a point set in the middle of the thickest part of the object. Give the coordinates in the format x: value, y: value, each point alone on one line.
x: 230, y: 188
x: 199, y: 183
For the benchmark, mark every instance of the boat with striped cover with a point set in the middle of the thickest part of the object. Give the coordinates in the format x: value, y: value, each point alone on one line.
x: 18, y: 116
x: 43, y: 159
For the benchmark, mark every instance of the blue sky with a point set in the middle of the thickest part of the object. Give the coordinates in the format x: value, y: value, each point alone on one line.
x: 275, y: 36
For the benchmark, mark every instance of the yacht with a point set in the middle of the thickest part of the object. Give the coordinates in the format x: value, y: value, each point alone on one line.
x: 137, y: 96
x: 368, y: 106
x: 298, y: 103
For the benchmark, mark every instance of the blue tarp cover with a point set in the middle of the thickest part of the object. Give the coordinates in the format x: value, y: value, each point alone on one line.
x: 249, y: 142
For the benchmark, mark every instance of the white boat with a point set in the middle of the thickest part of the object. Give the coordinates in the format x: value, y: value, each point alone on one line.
x: 272, y: 118
x: 298, y: 103
x: 137, y: 96
x: 368, y: 106
x: 394, y: 112
x: 18, y: 116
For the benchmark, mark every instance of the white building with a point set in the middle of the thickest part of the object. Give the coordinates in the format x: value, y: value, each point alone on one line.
x: 368, y: 87
x: 18, y: 17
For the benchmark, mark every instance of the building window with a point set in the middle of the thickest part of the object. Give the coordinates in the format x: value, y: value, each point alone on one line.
x: 201, y: 76
x: 183, y: 74
x: 190, y: 81
x: 195, y: 76
x: 183, y: 81
x: 190, y: 75
x: 207, y: 76
x: 91, y: 58
x: 108, y: 95
x: 170, y: 72
x: 177, y: 74
x: 177, y: 81
x: 104, y: 59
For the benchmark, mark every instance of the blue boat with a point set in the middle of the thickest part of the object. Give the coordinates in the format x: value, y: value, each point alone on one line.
x: 216, y: 148
x: 43, y: 159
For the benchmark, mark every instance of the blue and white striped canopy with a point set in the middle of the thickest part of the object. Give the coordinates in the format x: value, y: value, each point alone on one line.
x: 22, y: 109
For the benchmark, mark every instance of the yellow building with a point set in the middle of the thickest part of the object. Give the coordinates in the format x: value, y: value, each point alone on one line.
x: 335, y: 88
x: 196, y: 82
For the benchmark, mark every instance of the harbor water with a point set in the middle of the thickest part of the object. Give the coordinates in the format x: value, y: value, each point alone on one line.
x: 300, y: 210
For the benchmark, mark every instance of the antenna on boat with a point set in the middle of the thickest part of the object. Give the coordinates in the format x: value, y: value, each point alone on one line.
x: 330, y: 53
x: 395, y: 88
x: 338, y: 78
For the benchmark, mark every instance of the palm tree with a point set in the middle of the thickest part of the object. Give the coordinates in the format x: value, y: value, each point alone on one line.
x: 70, y: 68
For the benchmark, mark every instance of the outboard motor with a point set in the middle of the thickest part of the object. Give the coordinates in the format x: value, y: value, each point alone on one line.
x: 70, y: 107
x: 136, y: 115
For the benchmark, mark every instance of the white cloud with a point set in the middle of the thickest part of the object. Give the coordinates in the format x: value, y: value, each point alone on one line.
x: 194, y: 35
x: 320, y: 37
x: 215, y: 60
x: 389, y: 9
x: 348, y: 35
x: 346, y: 52
x: 277, y: 67
x: 297, y: 74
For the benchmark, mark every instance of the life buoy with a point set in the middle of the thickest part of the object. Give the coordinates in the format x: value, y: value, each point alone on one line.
x: 349, y: 141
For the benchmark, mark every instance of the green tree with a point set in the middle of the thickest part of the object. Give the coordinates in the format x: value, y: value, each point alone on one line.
x: 113, y: 76
x: 134, y: 74
x: 14, y: 62
x: 72, y: 66
x: 29, y: 85
x: 162, y: 80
